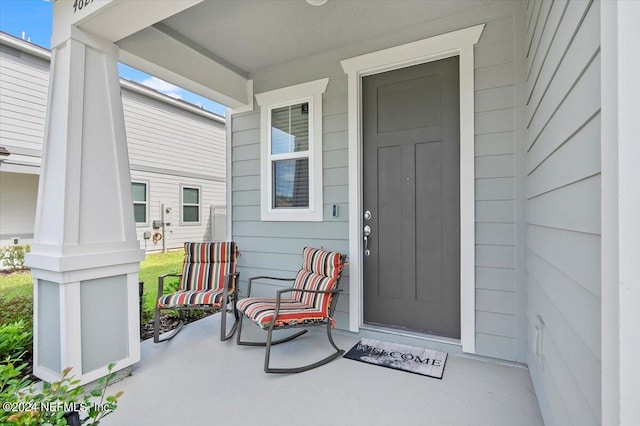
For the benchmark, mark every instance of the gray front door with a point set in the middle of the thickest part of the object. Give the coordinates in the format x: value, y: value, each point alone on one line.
x: 411, y: 171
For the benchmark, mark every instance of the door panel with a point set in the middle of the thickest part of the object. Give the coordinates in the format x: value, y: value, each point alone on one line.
x: 390, y: 182
x: 409, y: 104
x: 429, y: 228
x: 411, y: 171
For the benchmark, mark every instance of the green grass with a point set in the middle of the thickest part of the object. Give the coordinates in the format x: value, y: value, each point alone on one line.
x: 16, y: 284
x: 157, y: 264
x: 19, y: 286
x: 151, y: 268
x: 16, y: 298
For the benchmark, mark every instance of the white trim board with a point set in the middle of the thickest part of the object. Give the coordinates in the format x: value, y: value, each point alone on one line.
x: 620, y: 208
x: 456, y: 43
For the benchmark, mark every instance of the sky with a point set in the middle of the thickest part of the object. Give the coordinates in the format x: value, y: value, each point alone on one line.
x: 31, y: 20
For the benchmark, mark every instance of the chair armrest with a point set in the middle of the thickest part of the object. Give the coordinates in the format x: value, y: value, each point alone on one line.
x: 161, y: 283
x: 230, y: 278
x: 263, y: 277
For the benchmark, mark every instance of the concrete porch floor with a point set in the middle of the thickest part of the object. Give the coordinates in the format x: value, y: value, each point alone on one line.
x: 195, y: 379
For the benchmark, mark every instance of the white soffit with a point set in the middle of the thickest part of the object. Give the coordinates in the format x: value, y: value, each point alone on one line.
x: 115, y: 23
x: 163, y: 55
x: 213, y: 47
x: 111, y: 20
x: 256, y: 34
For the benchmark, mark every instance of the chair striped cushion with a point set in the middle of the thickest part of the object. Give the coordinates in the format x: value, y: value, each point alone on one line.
x: 320, y: 271
x: 191, y: 298
x: 205, y: 265
x: 322, y: 262
x: 310, y: 281
x: 292, y: 312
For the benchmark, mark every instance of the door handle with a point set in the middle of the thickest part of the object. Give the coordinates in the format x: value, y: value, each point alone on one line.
x: 367, y: 232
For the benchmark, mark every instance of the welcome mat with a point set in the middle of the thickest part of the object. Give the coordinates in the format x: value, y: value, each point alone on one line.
x: 400, y: 357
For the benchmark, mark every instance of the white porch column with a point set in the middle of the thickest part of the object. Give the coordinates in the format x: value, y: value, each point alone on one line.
x: 85, y: 257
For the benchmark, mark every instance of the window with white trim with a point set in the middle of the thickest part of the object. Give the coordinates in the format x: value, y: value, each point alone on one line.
x: 189, y: 205
x: 291, y: 152
x: 140, y: 202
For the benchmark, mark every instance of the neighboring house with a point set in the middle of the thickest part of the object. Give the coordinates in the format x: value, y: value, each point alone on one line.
x: 476, y: 160
x: 176, y: 154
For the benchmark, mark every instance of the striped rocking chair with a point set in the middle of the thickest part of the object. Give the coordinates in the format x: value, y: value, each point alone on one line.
x: 311, y: 302
x: 207, y: 282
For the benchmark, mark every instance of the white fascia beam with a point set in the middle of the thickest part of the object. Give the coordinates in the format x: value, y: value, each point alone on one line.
x: 157, y: 53
x: 111, y: 20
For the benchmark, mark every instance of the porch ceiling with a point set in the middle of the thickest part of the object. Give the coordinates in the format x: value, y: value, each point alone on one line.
x: 255, y: 34
x: 249, y: 35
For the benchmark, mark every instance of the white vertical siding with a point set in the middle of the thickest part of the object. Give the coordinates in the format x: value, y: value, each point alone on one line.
x: 563, y: 204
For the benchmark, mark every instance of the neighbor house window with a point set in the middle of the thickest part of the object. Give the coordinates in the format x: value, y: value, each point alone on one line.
x: 291, y: 152
x: 190, y: 204
x: 140, y: 202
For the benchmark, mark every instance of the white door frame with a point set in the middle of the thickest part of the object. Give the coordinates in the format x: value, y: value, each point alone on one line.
x: 457, y: 43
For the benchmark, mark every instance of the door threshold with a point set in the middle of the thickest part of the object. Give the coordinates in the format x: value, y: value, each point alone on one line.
x: 412, y: 334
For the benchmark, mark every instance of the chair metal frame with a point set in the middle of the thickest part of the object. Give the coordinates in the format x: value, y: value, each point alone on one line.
x: 231, y: 281
x: 270, y: 342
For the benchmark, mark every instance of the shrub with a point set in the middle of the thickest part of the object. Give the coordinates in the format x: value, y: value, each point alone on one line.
x: 16, y: 309
x: 15, y: 340
x: 147, y: 313
x: 12, y: 257
x: 12, y: 382
x: 48, y: 406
